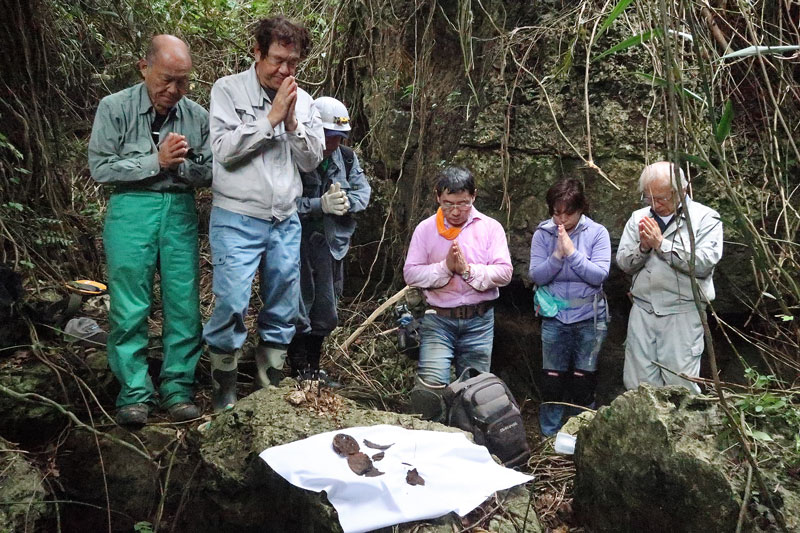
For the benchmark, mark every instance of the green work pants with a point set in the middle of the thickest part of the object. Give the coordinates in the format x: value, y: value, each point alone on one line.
x: 145, y: 231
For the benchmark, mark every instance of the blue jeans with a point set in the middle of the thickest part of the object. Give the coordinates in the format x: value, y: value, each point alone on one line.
x: 467, y: 342
x: 241, y: 245
x: 567, y: 347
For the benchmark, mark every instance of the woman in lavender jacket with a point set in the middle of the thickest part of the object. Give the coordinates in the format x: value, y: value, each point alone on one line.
x: 570, y: 258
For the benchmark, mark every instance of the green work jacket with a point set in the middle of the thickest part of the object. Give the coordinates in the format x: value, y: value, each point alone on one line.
x: 122, y: 152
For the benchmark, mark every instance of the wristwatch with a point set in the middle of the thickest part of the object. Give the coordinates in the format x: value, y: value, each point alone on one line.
x: 466, y: 274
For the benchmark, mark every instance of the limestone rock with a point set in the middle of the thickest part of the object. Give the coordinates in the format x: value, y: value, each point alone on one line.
x: 237, y: 491
x: 653, y: 461
x: 22, y: 492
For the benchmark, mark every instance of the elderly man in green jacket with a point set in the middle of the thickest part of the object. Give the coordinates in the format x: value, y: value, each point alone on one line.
x: 149, y: 144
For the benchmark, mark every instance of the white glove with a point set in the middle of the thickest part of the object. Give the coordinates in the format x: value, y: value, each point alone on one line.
x: 335, y: 202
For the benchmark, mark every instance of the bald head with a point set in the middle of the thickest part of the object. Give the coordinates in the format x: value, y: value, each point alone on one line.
x: 168, y: 48
x: 661, y: 173
x: 166, y: 71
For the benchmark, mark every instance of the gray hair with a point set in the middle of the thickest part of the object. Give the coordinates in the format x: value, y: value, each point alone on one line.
x: 663, y: 170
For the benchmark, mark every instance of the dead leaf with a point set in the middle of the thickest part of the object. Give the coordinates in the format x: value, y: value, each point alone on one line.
x: 374, y: 446
x: 413, y: 478
x: 373, y: 472
x: 359, y: 463
x: 378, y: 456
x: 345, y: 445
x: 296, y: 397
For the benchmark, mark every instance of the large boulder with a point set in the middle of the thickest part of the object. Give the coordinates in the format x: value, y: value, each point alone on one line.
x: 237, y: 491
x: 22, y: 492
x: 209, y: 477
x: 662, y: 460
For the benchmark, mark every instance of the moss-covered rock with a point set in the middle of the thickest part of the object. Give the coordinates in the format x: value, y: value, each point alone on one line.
x: 22, y: 493
x: 654, y: 460
x: 237, y: 491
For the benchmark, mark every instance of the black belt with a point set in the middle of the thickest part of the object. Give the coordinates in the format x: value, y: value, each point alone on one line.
x: 464, y: 311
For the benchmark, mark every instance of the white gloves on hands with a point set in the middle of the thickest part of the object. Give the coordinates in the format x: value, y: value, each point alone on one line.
x: 335, y: 202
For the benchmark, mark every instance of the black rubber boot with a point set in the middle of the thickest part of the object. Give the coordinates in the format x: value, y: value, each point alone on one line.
x: 314, y: 351
x: 298, y: 354
x: 553, y: 384
x: 223, y: 380
x: 582, y: 385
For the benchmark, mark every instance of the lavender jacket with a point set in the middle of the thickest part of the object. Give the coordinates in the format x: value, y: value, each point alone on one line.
x: 579, y: 276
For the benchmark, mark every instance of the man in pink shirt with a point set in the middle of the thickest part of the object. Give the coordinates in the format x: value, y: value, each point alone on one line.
x: 459, y: 257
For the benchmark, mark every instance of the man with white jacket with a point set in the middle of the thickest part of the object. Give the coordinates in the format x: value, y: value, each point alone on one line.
x: 664, y: 326
x: 264, y: 131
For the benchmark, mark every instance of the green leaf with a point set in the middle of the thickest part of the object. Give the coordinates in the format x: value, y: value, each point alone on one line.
x: 661, y: 82
x: 631, y: 41
x: 723, y: 128
x: 616, y: 12
x: 693, y: 159
x: 760, y: 435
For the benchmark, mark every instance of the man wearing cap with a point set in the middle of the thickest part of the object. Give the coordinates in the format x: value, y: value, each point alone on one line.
x: 460, y: 258
x: 264, y: 131
x: 332, y: 193
x: 664, y: 327
x: 150, y: 145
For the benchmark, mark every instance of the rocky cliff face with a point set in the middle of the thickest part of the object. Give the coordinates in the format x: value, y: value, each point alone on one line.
x: 518, y: 120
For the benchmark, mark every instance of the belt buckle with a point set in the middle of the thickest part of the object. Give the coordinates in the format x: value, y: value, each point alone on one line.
x: 460, y: 312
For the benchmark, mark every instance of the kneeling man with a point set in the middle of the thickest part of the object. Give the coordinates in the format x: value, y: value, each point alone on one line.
x: 459, y: 257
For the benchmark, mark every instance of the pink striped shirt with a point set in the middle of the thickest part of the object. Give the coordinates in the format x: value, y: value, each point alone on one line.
x: 483, y: 242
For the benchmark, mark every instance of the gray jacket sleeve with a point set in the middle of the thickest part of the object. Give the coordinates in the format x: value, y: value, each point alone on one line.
x: 629, y: 257
x: 708, y: 246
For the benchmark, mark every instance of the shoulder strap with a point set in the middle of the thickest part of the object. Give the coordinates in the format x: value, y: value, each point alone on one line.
x: 349, y: 158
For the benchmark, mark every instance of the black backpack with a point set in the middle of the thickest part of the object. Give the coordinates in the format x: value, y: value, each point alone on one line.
x: 481, y: 403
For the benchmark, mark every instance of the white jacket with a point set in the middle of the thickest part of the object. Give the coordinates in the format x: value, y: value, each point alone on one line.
x: 255, y: 165
x: 661, y: 276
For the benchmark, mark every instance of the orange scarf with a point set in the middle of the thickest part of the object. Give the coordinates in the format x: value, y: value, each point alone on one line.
x: 447, y: 233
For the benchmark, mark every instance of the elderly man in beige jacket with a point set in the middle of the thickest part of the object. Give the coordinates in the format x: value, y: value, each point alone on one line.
x: 664, y: 326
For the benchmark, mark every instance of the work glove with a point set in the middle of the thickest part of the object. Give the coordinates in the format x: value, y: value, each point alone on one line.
x: 335, y: 202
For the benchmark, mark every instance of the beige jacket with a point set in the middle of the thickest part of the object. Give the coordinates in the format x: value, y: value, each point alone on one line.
x: 256, y: 166
x: 661, y: 281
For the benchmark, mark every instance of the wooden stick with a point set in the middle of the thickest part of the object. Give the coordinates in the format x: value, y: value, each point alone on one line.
x: 375, y: 314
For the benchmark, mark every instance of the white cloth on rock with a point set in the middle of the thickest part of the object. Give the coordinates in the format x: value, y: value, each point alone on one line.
x: 458, y: 474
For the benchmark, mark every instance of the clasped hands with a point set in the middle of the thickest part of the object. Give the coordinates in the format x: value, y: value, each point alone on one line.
x: 564, y: 245
x: 455, y: 260
x: 172, y: 152
x: 283, y: 105
x: 649, y: 234
x: 335, y: 202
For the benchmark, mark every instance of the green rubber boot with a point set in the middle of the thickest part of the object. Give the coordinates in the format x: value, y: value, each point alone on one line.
x: 269, y: 362
x: 223, y: 379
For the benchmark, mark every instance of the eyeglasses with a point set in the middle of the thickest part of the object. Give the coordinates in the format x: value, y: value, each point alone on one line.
x: 290, y: 62
x: 650, y: 200
x: 449, y: 206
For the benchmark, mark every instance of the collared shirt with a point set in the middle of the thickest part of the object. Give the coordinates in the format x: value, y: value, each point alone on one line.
x: 661, y: 282
x: 256, y: 166
x: 483, y: 242
x: 122, y: 152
